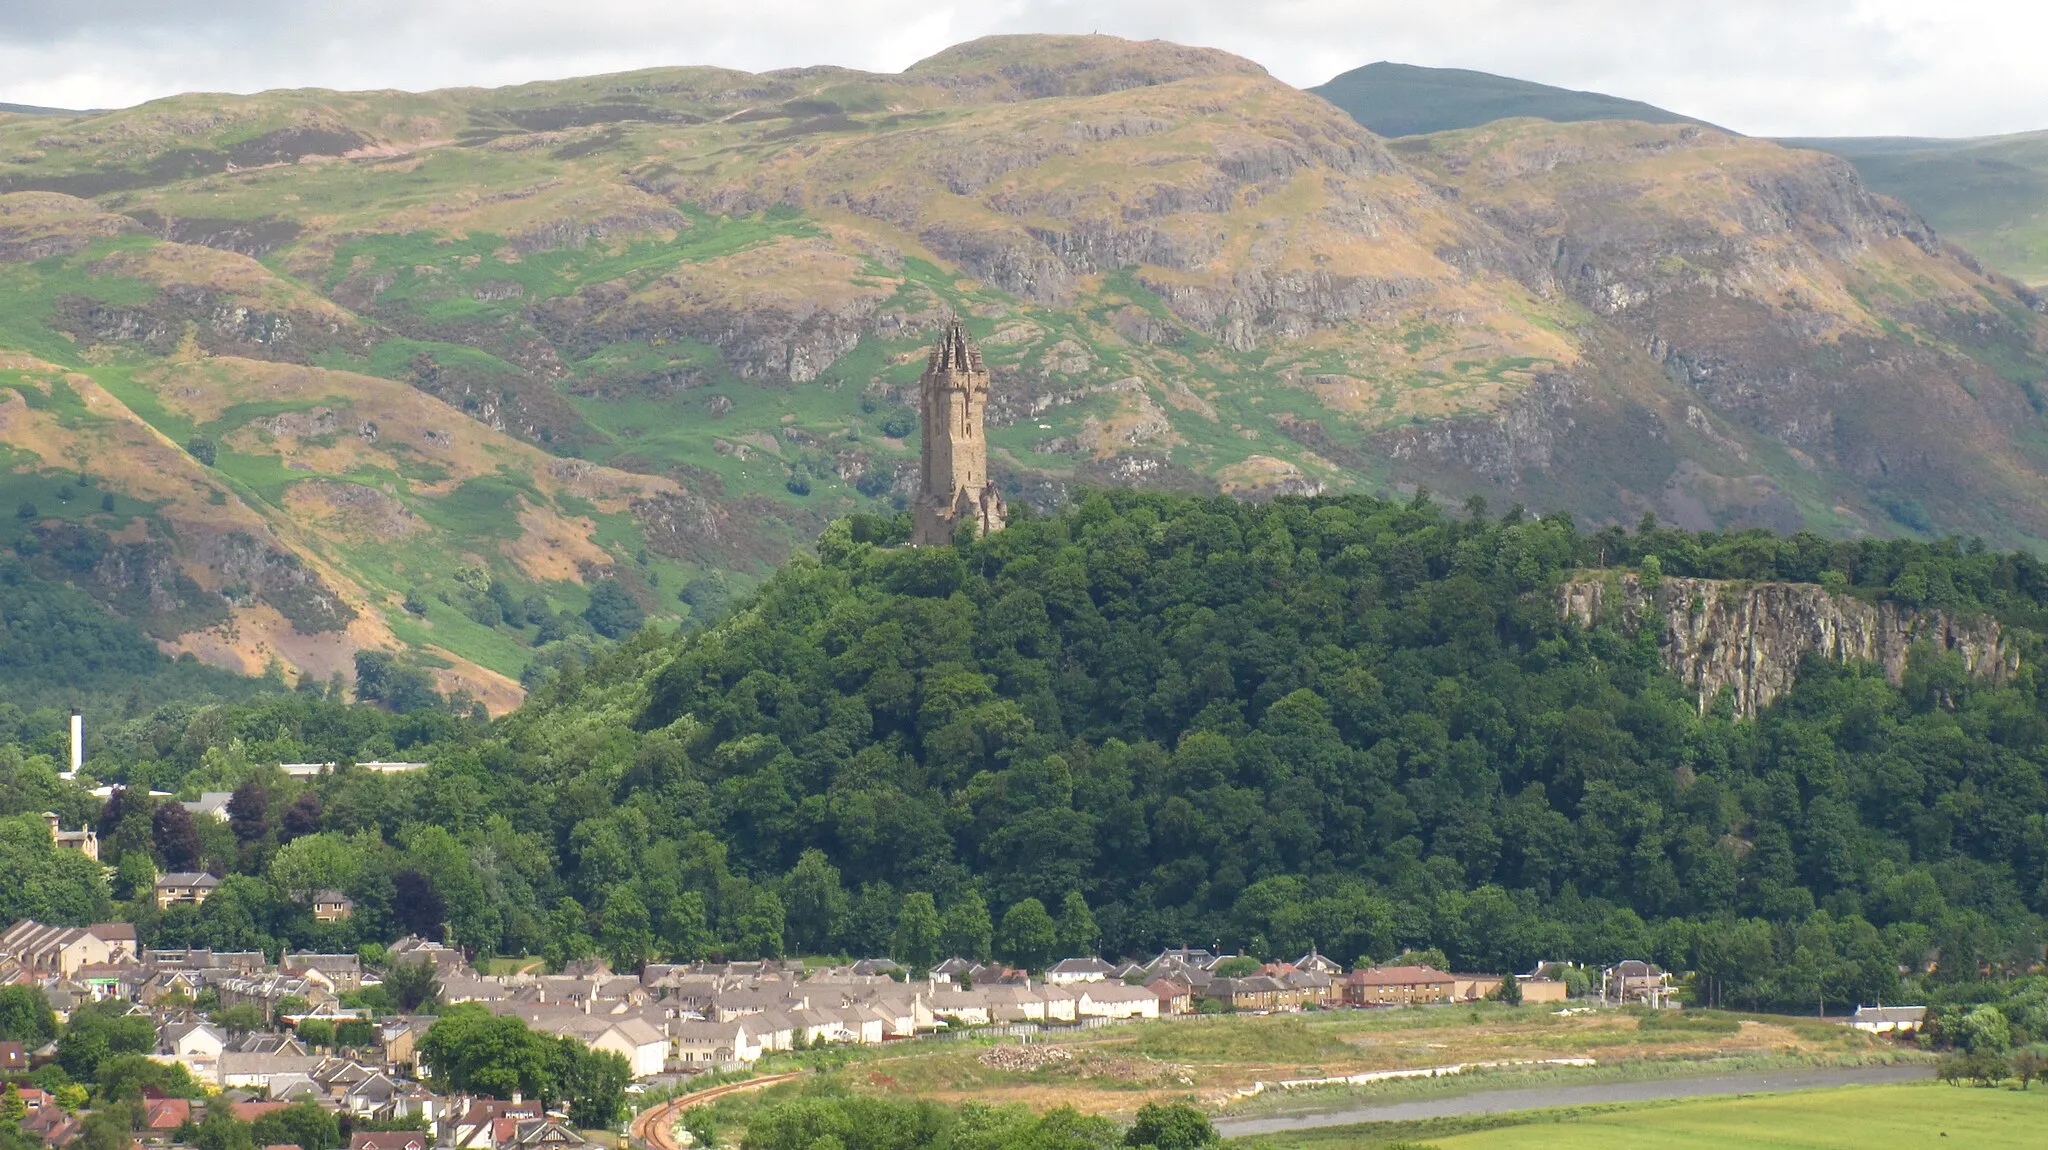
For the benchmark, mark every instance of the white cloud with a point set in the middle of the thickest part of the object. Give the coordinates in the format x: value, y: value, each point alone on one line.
x: 1807, y: 67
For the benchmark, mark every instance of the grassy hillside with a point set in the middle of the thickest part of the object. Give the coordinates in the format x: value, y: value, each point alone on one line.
x: 459, y: 356
x: 1406, y: 100
x: 1990, y: 194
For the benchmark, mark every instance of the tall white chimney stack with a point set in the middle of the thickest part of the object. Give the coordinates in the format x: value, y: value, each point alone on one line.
x: 77, y: 741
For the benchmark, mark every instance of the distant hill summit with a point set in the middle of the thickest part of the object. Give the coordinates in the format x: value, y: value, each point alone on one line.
x: 1406, y: 100
x: 1989, y: 194
x: 33, y: 110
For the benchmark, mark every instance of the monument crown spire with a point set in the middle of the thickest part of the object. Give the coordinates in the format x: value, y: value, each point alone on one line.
x: 953, y: 482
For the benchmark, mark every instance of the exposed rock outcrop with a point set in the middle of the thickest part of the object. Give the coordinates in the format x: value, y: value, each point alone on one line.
x: 1750, y: 637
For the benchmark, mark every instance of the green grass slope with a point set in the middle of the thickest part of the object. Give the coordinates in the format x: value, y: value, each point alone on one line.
x: 1407, y: 100
x: 1857, y: 1118
x: 1988, y: 194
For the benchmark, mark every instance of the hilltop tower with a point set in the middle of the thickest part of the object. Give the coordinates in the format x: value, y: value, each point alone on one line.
x: 953, y: 485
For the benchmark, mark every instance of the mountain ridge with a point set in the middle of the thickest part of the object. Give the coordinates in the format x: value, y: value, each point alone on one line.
x: 707, y: 293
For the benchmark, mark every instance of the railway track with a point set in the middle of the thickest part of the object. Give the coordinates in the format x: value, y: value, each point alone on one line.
x: 655, y: 1129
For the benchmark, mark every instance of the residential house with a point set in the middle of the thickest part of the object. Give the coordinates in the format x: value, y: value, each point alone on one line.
x: 714, y: 1043
x: 332, y: 906
x: 85, y: 840
x: 389, y: 1140
x: 162, y: 1116
x: 951, y: 970
x: 48, y: 951
x: 1636, y: 981
x: 1069, y: 971
x: 196, y: 1046
x: 1543, y: 989
x: 1889, y: 1019
x: 1316, y: 963
x: 481, y: 1123
x: 340, y: 972
x: 50, y: 1125
x: 184, y: 888
x: 1116, y: 1000
x: 254, y: 1071
x: 1257, y: 992
x: 1398, y: 986
x: 211, y: 805
x: 1475, y: 987
x: 13, y: 1058
x: 1174, y: 997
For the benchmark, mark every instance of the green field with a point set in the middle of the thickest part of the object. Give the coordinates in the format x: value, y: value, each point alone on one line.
x: 1849, y: 1118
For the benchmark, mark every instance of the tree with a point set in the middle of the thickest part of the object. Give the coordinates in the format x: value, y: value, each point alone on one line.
x: 815, y: 902
x: 613, y: 612
x: 1077, y: 932
x: 1028, y: 936
x: 107, y: 1128
x: 307, y: 1125
x: 125, y: 1076
x: 627, y: 937
x: 97, y: 1032
x: 1509, y: 992
x: 968, y: 931
x: 414, y: 987
x: 1984, y: 1030
x: 568, y: 937
x: 918, y: 932
x: 240, y: 1018
x: 202, y: 449
x: 418, y: 905
x: 2028, y: 1064
x: 302, y: 817
x: 1171, y: 1126
x: 176, y: 839
x: 1237, y: 966
x: 249, y: 811
x: 759, y: 925
x: 592, y: 1082
x: 26, y: 1017
x: 470, y: 1049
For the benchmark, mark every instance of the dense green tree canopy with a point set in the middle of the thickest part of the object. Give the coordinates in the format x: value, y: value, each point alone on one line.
x: 1343, y: 723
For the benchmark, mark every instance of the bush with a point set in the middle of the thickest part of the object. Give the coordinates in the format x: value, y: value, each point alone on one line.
x: 613, y: 612
x: 202, y: 449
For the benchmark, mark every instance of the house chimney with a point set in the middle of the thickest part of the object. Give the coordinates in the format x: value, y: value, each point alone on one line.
x: 77, y: 741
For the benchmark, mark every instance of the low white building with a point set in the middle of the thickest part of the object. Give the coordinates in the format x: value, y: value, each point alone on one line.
x: 1115, y: 1000
x: 1889, y: 1019
x: 1069, y: 971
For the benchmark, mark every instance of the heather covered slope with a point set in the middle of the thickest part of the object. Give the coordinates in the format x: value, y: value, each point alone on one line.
x: 685, y: 309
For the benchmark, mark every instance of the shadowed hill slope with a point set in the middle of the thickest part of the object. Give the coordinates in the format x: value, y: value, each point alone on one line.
x: 1406, y: 100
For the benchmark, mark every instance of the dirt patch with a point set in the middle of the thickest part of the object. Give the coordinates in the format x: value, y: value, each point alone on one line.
x: 553, y: 547
x: 351, y: 510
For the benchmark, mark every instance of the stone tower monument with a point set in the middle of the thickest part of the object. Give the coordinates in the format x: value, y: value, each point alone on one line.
x: 953, y: 486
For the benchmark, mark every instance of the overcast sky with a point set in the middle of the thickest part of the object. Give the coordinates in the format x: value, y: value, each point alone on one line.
x: 1766, y: 67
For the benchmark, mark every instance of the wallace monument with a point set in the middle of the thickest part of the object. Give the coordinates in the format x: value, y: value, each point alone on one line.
x: 953, y: 484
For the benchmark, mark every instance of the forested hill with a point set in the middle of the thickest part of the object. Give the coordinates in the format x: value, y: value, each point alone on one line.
x: 1342, y: 722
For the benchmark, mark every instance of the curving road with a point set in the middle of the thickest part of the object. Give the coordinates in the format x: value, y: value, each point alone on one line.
x: 656, y: 1128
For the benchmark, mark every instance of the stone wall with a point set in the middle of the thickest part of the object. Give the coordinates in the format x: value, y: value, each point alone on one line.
x: 1750, y: 637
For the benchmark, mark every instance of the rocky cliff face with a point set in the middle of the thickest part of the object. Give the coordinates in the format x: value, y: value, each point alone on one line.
x: 1750, y: 637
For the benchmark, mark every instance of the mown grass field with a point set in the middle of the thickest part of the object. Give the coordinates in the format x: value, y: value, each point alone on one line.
x: 1847, y: 1118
